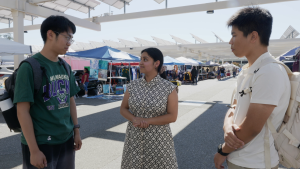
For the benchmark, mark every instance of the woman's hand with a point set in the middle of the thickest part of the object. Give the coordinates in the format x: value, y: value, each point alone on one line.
x: 137, y: 121
x: 140, y: 122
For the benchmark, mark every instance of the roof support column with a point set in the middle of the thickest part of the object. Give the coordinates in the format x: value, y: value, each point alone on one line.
x: 199, y: 56
x: 18, y: 21
x: 207, y: 58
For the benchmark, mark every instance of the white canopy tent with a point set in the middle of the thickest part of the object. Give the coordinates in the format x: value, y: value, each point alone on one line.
x: 187, y: 61
x: 8, y: 48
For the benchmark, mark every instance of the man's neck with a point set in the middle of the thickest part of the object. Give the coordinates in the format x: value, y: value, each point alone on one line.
x: 50, y: 54
x: 255, y: 54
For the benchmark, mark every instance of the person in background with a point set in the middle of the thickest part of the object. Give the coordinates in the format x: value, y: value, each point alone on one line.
x: 194, y: 75
x: 85, y: 81
x: 150, y: 104
x: 162, y: 73
x: 169, y: 77
x: 222, y: 70
x: 207, y: 70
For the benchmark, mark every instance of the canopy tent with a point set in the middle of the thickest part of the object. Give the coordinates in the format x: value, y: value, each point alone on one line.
x: 76, y: 63
x: 106, y: 53
x: 211, y: 63
x: 289, y: 53
x: 8, y: 48
x: 171, y: 61
x: 188, y: 61
x: 200, y: 63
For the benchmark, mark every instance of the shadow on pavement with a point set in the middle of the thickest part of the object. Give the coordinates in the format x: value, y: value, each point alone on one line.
x: 197, y: 143
x: 91, y: 125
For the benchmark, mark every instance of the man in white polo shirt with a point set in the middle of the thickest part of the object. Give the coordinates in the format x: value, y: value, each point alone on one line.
x: 244, y: 124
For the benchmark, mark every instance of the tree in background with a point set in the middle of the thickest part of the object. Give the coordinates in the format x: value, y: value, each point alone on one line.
x: 8, y: 36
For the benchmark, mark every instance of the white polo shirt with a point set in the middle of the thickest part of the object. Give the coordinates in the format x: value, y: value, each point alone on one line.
x: 270, y: 86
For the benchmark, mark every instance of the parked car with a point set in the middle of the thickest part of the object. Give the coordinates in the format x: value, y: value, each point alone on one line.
x: 95, y: 86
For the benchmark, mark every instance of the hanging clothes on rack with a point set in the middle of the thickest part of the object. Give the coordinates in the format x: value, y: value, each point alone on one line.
x: 125, y: 73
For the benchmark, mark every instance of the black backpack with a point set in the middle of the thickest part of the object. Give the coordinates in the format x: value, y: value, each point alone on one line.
x: 9, y: 110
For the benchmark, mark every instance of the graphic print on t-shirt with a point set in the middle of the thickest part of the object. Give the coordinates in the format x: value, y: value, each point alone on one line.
x: 60, y: 88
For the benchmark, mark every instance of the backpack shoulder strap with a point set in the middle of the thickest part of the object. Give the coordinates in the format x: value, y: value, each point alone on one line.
x: 66, y: 66
x: 37, y: 72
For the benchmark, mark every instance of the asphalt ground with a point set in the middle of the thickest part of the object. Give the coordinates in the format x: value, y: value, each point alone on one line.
x: 197, y: 131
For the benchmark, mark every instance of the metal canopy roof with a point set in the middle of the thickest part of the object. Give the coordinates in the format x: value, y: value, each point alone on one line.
x: 6, y: 15
x: 85, y: 46
x: 97, y: 44
x: 120, y: 3
x: 162, y: 42
x: 145, y: 42
x: 113, y: 44
x: 159, y: 1
x: 179, y: 40
x: 78, y: 5
x: 116, y: 3
x: 218, y: 37
x: 128, y: 43
x: 215, y: 50
x: 290, y: 33
x: 198, y: 39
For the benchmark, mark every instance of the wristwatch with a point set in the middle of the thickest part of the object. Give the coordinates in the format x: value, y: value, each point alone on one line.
x: 220, y: 150
x: 76, y: 126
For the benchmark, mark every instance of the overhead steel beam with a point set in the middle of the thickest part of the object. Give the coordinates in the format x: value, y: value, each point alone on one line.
x: 26, y: 28
x: 186, y: 9
x: 38, y: 1
x: 30, y: 9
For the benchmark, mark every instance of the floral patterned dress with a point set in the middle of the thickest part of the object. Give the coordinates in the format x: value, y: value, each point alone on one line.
x: 152, y: 147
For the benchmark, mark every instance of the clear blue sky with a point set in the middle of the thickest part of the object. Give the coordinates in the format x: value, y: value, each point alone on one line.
x: 199, y: 23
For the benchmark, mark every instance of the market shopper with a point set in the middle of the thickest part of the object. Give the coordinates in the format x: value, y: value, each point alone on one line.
x: 222, y: 70
x: 194, y: 75
x: 153, y: 105
x: 262, y: 92
x: 85, y: 81
x: 49, y: 118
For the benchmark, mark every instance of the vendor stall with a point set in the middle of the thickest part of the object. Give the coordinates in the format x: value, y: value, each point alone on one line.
x: 189, y: 63
x: 98, y: 57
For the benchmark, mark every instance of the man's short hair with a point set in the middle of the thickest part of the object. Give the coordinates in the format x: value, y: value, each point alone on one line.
x: 252, y: 19
x: 58, y: 24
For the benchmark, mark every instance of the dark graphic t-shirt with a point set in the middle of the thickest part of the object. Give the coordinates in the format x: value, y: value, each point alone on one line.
x: 222, y: 70
x: 51, y: 117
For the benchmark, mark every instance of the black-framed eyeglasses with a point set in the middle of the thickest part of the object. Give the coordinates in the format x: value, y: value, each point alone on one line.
x: 68, y: 38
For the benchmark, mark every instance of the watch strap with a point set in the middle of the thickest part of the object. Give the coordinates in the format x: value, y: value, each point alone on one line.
x: 76, y: 126
x: 221, y: 152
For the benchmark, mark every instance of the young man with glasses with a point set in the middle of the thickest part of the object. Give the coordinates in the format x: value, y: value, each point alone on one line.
x: 50, y: 129
x: 263, y: 92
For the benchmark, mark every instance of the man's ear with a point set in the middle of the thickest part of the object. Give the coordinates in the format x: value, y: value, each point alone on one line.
x: 254, y: 37
x: 51, y: 35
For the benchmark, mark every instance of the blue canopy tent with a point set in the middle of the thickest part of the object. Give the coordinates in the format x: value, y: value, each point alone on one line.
x: 289, y: 53
x: 106, y: 53
x: 171, y: 61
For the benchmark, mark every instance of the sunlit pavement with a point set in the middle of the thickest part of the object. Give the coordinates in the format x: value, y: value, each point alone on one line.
x: 197, y: 131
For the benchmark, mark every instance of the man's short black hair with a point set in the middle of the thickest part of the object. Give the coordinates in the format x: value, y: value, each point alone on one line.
x: 58, y: 24
x: 252, y: 19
